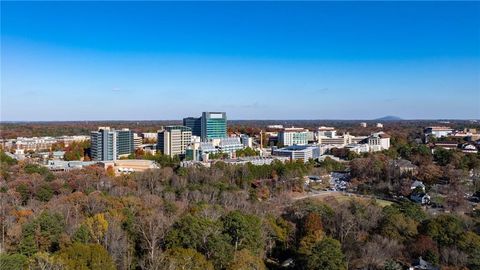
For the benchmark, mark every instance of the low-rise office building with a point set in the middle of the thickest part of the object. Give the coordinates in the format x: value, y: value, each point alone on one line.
x: 469, y: 134
x: 438, y: 131
x: 275, y: 126
x: 328, y: 136
x: 298, y: 152
x: 339, y: 141
x: 258, y: 161
x: 230, y: 145
x: 68, y: 140
x: 445, y: 145
x: 358, y: 148
x: 199, y: 151
x: 126, y: 166
x: 34, y: 143
x: 62, y: 165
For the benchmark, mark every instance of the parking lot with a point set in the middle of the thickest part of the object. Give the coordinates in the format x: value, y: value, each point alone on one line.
x: 339, y: 181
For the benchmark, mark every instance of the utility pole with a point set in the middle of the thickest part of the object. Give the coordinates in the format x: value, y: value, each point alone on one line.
x: 261, y: 139
x: 261, y: 142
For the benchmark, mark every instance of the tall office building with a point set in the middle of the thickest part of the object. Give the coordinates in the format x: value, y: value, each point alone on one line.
x: 173, y: 140
x: 195, y: 123
x: 109, y: 144
x: 292, y: 136
x: 137, y: 141
x: 214, y: 125
x: 211, y: 125
x: 125, y: 142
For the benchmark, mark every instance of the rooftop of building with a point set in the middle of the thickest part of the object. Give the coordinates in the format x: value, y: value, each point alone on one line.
x: 439, y: 128
x: 294, y: 129
x: 380, y: 134
x: 254, y: 158
x: 297, y: 148
x: 230, y: 140
x: 323, y: 128
x: 445, y: 143
x: 175, y: 127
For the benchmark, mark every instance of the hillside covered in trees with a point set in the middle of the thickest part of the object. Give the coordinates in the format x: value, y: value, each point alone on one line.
x: 227, y: 217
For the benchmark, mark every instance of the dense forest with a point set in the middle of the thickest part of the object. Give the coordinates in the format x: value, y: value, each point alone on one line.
x: 243, y: 216
x: 224, y: 217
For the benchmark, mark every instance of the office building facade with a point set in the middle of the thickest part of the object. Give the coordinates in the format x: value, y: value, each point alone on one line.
x: 211, y: 125
x: 214, y: 125
x: 230, y: 145
x: 103, y: 144
x: 137, y: 141
x: 298, y: 152
x: 173, y: 140
x: 109, y: 144
x: 246, y: 140
x: 125, y: 142
x: 438, y: 132
x: 195, y: 123
x: 293, y: 136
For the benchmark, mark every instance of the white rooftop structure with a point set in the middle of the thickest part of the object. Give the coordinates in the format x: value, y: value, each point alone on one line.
x: 256, y: 160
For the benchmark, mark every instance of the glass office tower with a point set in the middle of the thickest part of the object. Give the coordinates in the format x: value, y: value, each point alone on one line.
x: 195, y: 123
x: 108, y: 144
x: 214, y: 125
x: 125, y: 142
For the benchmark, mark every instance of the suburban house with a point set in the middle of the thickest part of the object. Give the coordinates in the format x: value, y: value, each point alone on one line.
x: 403, y: 166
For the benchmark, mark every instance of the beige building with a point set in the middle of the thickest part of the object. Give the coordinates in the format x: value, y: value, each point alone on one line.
x: 34, y: 144
x: 126, y: 166
x: 137, y: 141
x: 173, y: 140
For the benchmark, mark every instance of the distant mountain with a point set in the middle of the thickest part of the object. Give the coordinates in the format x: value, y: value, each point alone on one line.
x: 389, y: 118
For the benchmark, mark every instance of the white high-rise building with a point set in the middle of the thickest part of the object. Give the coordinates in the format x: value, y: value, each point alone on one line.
x: 293, y: 136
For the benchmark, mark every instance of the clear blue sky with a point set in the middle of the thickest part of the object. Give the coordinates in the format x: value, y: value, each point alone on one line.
x: 254, y: 60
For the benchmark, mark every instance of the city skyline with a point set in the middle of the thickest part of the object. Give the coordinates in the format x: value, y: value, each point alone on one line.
x: 278, y: 61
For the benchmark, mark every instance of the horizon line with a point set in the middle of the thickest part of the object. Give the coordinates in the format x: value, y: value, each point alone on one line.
x: 332, y: 119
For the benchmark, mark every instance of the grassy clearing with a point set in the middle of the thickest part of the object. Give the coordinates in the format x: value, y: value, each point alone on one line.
x: 341, y: 197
